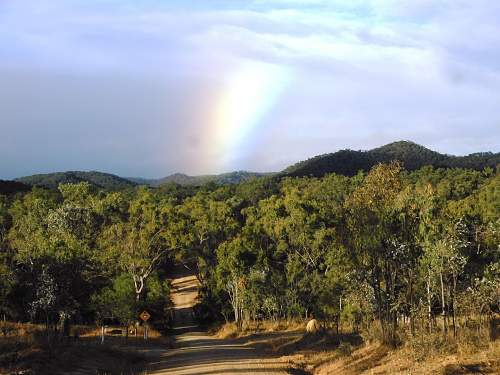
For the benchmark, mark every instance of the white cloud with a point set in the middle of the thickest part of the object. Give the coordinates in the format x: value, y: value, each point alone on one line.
x: 363, y: 70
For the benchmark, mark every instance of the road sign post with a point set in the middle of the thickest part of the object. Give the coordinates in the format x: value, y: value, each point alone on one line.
x: 145, y: 316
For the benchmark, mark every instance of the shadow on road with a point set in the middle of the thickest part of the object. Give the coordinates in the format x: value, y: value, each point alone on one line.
x: 196, y: 352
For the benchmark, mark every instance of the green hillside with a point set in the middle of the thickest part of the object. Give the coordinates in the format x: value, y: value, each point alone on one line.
x: 344, y: 162
x: 99, y: 179
x: 411, y: 155
x: 186, y: 180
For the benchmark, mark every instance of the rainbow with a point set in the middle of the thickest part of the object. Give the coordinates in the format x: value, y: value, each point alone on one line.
x: 250, y: 92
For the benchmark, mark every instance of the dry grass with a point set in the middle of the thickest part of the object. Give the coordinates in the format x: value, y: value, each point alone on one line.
x: 10, y: 329
x: 90, y: 331
x: 230, y: 330
x: 327, y: 353
x: 420, y: 355
x: 378, y: 359
x: 38, y: 359
x: 303, y: 351
x: 26, y: 347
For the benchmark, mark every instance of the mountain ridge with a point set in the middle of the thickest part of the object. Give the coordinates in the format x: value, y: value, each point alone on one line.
x: 411, y: 155
x: 346, y: 162
x: 99, y: 179
x: 227, y: 178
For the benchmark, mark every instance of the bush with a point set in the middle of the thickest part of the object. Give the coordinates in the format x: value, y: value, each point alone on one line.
x: 344, y: 349
x: 118, y: 301
x: 425, y: 344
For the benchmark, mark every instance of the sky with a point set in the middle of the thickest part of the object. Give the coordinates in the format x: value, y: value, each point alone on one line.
x: 148, y: 88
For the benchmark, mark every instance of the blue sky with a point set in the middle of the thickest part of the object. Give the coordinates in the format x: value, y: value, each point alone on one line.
x: 137, y: 88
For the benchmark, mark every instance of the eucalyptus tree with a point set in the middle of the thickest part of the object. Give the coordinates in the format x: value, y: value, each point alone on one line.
x: 299, y: 233
x: 138, y: 243
x: 204, y: 221
x: 29, y: 233
x: 235, y: 260
x: 53, y: 239
x: 373, y: 224
x: 6, y: 269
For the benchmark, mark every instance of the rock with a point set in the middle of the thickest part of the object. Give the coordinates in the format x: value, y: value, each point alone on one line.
x: 313, y: 326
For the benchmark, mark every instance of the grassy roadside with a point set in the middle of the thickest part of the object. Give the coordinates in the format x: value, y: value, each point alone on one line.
x: 362, y: 354
x: 24, y: 349
x: 22, y: 358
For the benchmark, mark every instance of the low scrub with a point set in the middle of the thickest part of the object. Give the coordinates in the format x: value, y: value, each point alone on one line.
x: 424, y: 345
x: 30, y: 349
x: 231, y: 330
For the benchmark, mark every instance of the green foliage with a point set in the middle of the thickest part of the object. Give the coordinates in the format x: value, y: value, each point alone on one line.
x: 6, y: 269
x: 217, y: 179
x: 138, y: 244
x: 411, y: 155
x: 117, y: 301
x: 380, y: 245
x: 98, y: 179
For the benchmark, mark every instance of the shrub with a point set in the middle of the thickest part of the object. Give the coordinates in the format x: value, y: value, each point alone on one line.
x: 344, y: 349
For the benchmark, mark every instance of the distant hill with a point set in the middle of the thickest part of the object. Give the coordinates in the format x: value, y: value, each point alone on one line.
x: 112, y: 182
x: 99, y: 179
x: 411, y: 155
x: 345, y: 162
x: 12, y: 187
x: 186, y: 180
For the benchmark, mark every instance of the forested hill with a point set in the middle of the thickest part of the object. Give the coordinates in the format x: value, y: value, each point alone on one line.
x: 99, y: 179
x: 344, y: 162
x: 411, y: 155
x: 186, y: 180
x: 112, y: 182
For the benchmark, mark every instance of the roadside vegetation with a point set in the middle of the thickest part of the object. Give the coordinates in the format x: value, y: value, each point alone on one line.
x: 410, y: 260
x: 27, y: 349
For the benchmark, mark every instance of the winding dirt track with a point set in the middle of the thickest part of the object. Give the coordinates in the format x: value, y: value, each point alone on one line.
x: 199, y: 353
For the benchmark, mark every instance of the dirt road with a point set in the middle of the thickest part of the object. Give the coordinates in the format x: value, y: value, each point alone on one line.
x: 199, y: 353
x: 196, y: 352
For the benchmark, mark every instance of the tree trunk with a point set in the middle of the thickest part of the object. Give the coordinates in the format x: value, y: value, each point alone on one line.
x: 339, y: 322
x: 453, y: 306
x: 429, y: 303
x: 412, y: 318
x: 443, y: 302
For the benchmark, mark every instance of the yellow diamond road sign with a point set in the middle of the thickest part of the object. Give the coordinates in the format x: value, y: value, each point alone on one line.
x: 144, y: 316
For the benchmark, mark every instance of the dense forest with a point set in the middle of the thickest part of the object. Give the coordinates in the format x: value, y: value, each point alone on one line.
x: 411, y: 155
x: 98, y: 179
x: 398, y: 247
x: 109, y: 181
x: 186, y: 180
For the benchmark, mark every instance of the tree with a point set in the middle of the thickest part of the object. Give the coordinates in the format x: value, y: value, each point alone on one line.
x: 6, y: 268
x: 139, y: 244
x: 234, y: 276
x: 116, y: 301
x: 204, y: 221
x: 373, y: 224
x: 52, y: 238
